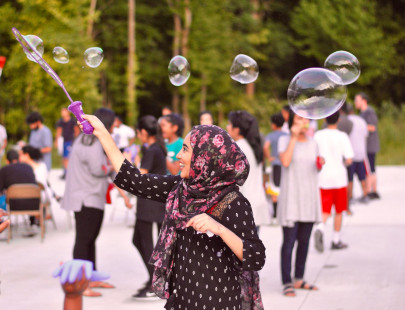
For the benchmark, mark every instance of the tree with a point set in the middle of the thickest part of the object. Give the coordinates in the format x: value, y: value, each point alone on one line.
x: 26, y: 86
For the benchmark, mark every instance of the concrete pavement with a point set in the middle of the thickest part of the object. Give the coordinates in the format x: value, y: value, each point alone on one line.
x: 370, y: 274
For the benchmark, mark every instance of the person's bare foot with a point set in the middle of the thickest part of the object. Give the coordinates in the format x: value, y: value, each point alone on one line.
x: 90, y: 293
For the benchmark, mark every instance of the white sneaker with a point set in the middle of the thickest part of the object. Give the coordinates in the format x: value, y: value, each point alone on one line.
x: 318, y: 240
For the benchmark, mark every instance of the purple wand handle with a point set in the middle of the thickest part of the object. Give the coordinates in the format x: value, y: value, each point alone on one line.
x: 76, y: 109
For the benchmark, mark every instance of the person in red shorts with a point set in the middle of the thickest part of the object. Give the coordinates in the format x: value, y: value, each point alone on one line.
x: 335, y: 147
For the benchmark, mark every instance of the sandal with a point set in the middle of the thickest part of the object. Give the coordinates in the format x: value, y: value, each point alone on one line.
x: 305, y: 286
x: 90, y: 293
x: 100, y: 284
x: 289, y: 290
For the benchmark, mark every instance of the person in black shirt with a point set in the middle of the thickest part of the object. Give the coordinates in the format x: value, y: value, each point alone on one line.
x: 149, y: 211
x: 18, y: 173
x: 15, y: 172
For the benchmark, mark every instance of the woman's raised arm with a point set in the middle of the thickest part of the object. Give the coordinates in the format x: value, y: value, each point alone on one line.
x: 106, y: 140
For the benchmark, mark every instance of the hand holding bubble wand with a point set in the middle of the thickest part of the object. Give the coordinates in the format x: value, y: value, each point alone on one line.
x: 75, y: 106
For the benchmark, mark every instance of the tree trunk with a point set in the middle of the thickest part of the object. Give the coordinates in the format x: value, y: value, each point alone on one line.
x: 203, y: 99
x: 250, y: 88
x: 176, y: 48
x: 131, y: 70
x: 104, y: 90
x: 92, y: 12
x: 184, y: 51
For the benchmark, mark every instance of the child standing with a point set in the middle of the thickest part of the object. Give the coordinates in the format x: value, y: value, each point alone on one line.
x: 172, y: 126
x: 335, y: 147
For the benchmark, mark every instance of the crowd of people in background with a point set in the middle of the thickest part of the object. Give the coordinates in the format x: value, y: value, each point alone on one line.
x: 298, y: 175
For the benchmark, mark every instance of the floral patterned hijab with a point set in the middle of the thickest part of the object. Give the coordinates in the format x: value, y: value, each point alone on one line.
x: 218, y: 167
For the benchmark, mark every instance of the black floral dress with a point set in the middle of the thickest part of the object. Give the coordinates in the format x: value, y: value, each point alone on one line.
x: 206, y: 273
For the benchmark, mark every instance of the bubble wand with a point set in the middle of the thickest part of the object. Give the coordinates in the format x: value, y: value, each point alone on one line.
x: 75, y: 106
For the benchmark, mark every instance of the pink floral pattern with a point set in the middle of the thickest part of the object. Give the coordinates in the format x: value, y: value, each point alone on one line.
x: 218, y: 166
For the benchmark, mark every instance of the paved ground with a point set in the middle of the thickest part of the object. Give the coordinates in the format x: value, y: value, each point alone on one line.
x: 370, y: 274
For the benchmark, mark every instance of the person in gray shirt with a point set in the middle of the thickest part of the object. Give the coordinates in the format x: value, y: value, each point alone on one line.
x: 85, y: 192
x: 40, y: 137
x: 373, y: 142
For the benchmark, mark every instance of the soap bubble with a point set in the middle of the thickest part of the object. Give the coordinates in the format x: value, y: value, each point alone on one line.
x: 179, y: 70
x: 36, y: 44
x: 93, y: 57
x: 60, y: 55
x: 345, y: 65
x: 316, y: 93
x: 244, y: 69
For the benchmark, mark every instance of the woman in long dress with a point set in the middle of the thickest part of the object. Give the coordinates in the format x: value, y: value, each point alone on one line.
x: 193, y: 268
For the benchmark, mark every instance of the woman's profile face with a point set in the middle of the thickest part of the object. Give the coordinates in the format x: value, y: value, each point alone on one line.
x: 184, y: 157
x: 233, y: 131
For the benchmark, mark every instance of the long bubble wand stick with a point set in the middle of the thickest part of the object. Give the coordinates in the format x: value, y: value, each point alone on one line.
x: 75, y: 106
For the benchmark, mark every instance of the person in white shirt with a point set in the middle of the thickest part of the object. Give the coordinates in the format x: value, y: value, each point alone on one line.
x: 335, y: 147
x: 244, y: 129
x: 123, y: 135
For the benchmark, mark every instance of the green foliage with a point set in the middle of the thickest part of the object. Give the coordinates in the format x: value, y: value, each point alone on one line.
x: 390, y: 129
x: 324, y: 26
x: 24, y: 85
x: 284, y: 37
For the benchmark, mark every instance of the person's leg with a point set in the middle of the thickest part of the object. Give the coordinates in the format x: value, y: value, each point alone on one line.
x: 362, y: 174
x: 276, y: 181
x: 371, y: 177
x: 303, y: 235
x: 143, y: 241
x: 326, y: 201
x: 350, y: 175
x: 289, y: 237
x: 340, y: 202
x: 88, y: 224
x: 67, y: 146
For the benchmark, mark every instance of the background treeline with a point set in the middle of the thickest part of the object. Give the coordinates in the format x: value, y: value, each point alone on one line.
x: 139, y: 37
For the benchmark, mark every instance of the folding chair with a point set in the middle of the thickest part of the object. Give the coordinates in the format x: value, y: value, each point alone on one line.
x: 31, y: 194
x: 46, y: 203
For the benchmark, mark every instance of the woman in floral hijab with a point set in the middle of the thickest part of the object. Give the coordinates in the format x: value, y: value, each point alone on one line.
x: 208, y: 252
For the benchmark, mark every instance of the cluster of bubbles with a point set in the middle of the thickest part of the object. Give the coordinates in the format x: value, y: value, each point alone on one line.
x: 93, y: 56
x: 244, y: 70
x: 316, y: 93
x: 313, y: 93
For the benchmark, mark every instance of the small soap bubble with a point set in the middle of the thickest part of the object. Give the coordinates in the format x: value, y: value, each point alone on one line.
x: 179, y: 70
x: 93, y: 57
x: 60, y: 55
x: 244, y: 69
x: 344, y: 64
x: 316, y: 93
x: 36, y: 44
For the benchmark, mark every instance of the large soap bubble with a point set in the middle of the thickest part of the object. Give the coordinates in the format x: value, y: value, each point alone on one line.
x: 93, y: 57
x: 179, y: 70
x: 244, y: 69
x: 36, y: 44
x: 60, y: 55
x: 316, y: 93
x: 345, y: 65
